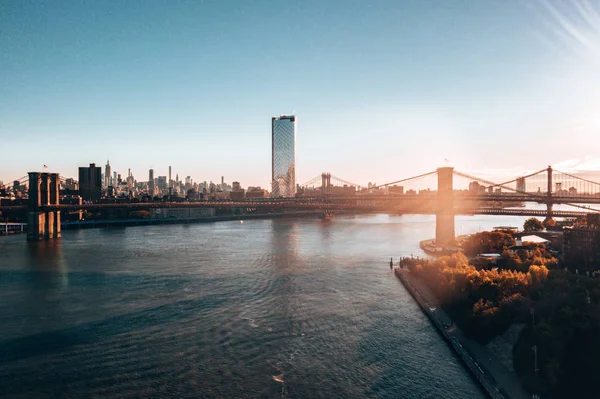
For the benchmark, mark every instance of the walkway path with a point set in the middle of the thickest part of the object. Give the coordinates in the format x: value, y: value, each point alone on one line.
x: 496, y: 379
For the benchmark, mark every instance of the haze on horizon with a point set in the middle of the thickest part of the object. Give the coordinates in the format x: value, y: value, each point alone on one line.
x: 383, y: 90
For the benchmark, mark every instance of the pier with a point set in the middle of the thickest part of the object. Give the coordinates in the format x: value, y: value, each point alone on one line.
x: 13, y: 228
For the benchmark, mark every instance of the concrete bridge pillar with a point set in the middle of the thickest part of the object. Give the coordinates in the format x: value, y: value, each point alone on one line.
x: 55, y: 200
x: 43, y: 223
x: 444, y: 217
x: 549, y: 203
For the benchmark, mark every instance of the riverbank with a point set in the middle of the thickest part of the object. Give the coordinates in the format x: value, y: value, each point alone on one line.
x: 118, y: 223
x: 122, y: 223
x: 492, y: 375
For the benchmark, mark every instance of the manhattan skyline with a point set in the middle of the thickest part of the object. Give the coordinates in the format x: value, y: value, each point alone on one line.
x: 376, y: 87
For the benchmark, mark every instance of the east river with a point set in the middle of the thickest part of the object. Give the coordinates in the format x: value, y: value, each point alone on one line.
x: 289, y: 308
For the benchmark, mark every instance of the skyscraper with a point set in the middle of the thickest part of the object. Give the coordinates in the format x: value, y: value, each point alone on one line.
x: 107, y: 174
x: 90, y: 182
x: 151, y: 182
x: 283, y: 170
x: 170, y: 181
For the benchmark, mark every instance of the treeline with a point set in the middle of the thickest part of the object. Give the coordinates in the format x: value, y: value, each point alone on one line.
x: 566, y: 335
x: 561, y: 312
x: 487, y: 242
x: 483, y: 303
x: 501, y: 242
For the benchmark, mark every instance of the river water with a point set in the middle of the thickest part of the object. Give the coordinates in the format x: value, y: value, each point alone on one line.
x: 289, y: 308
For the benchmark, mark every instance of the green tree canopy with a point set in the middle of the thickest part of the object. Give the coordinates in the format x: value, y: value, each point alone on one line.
x: 533, y: 224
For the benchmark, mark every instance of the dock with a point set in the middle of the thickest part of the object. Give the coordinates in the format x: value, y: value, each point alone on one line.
x: 13, y: 228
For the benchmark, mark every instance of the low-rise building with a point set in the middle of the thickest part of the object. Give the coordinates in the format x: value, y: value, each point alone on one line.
x: 237, y: 194
x: 256, y: 192
x: 521, y: 246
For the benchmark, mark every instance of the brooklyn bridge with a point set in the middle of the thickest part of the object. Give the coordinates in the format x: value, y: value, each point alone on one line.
x: 547, y: 186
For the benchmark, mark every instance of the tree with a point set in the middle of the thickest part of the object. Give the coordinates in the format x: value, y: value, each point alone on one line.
x: 533, y: 224
x: 486, y: 242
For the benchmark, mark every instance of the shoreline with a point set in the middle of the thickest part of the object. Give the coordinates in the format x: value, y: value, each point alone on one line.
x: 120, y: 223
x: 490, y: 374
x: 123, y: 223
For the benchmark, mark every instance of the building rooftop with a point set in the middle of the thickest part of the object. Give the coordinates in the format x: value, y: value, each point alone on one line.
x: 489, y: 255
x: 534, y: 238
x: 290, y: 117
x: 500, y: 228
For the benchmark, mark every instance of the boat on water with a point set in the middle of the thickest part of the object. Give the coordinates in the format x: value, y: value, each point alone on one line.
x: 325, y: 216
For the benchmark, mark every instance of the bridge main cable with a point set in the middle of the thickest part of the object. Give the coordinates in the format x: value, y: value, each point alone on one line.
x: 501, y: 185
x: 578, y: 178
x: 403, y: 180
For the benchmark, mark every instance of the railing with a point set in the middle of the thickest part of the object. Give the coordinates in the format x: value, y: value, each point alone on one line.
x: 7, y: 228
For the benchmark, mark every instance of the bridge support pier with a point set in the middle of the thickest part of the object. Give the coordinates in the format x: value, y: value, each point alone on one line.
x: 43, y: 224
x: 549, y: 214
x: 326, y: 184
x: 444, y: 217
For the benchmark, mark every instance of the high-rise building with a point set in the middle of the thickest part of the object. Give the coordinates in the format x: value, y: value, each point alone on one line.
x: 170, y: 181
x: 162, y: 183
x: 151, y: 189
x: 283, y: 167
x: 107, y: 174
x: 90, y: 182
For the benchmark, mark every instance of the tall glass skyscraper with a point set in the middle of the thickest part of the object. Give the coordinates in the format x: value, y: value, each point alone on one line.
x: 283, y: 138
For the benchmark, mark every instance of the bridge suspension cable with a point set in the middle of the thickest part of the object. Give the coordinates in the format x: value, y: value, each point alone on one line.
x: 584, y: 207
x: 578, y: 178
x: 312, y: 182
x: 318, y: 180
x: 513, y: 180
x: 501, y: 185
x: 405, y: 180
x: 344, y: 181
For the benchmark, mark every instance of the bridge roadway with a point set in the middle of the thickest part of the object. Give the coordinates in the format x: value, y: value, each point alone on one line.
x: 308, y: 204
x: 497, y: 197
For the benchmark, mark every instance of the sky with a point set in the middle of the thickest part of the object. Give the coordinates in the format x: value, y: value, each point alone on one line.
x: 382, y: 89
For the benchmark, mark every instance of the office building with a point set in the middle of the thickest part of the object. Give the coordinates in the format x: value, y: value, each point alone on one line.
x: 151, y: 189
x: 90, y: 182
x: 396, y: 189
x: 283, y: 167
x: 107, y: 174
x: 162, y: 183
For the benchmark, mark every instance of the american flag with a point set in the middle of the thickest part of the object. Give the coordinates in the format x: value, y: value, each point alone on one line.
x: 46, y: 166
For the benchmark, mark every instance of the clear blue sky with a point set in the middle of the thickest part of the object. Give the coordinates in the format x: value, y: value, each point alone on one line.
x: 382, y: 89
